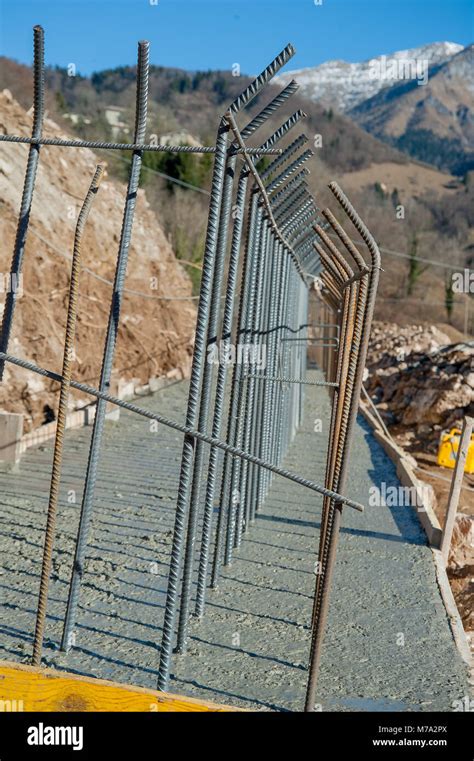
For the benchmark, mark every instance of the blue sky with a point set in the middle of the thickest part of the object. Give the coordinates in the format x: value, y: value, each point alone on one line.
x: 212, y: 34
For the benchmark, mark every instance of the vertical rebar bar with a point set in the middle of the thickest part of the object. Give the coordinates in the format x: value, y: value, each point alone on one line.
x: 207, y: 375
x: 27, y: 195
x: 198, y: 366
x: 238, y: 213
x: 352, y: 407
x: 66, y: 374
x: 110, y: 342
x: 234, y: 421
x: 193, y: 400
x: 220, y: 388
x: 205, y: 401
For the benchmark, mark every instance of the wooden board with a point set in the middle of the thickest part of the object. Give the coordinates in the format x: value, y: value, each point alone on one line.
x: 27, y: 688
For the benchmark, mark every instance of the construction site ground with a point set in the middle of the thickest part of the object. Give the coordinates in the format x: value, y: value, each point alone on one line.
x: 388, y: 646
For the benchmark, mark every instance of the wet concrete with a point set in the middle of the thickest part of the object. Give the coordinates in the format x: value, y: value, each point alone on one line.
x: 388, y: 644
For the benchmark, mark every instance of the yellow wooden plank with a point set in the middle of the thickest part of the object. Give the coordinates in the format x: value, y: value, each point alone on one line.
x: 27, y: 688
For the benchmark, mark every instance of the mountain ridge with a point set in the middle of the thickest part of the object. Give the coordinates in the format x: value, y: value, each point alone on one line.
x: 434, y: 123
x: 420, y: 101
x: 335, y: 81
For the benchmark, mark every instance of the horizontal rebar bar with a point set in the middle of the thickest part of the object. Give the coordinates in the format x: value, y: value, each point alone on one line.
x: 98, y: 144
x: 312, y: 339
x: 279, y: 379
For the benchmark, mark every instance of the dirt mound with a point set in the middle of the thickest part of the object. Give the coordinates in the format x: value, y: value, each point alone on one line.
x: 419, y: 381
x: 155, y: 333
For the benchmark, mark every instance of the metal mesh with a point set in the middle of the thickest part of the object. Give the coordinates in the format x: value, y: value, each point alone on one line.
x: 266, y: 248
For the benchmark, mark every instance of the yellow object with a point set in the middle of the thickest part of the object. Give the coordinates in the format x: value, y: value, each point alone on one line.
x: 448, y: 447
x: 28, y: 688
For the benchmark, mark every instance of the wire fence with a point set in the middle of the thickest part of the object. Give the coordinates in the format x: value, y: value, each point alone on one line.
x: 266, y: 242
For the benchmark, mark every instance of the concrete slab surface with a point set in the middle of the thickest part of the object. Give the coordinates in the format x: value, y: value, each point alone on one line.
x: 388, y: 646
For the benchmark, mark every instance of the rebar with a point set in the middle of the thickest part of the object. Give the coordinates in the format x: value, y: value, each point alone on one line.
x: 142, y: 147
x: 61, y: 418
x: 226, y: 329
x: 206, y: 311
x: 356, y: 362
x: 28, y: 190
x: 267, y: 236
x: 109, y: 348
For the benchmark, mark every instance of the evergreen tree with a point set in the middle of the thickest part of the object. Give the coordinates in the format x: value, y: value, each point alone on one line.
x: 449, y: 296
x: 415, y: 270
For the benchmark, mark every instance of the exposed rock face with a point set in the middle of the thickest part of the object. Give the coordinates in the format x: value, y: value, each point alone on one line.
x: 154, y: 336
x: 419, y: 382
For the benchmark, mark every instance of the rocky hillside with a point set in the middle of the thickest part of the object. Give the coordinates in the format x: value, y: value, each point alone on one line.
x: 420, y: 381
x: 155, y: 333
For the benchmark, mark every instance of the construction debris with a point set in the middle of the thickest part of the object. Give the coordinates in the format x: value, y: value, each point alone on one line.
x: 420, y: 382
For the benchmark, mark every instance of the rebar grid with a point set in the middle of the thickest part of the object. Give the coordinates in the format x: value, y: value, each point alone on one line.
x: 266, y: 241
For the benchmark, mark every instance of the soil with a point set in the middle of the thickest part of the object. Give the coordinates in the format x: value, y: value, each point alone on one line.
x: 63, y: 178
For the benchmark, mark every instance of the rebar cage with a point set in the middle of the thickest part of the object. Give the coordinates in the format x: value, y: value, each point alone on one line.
x: 268, y: 246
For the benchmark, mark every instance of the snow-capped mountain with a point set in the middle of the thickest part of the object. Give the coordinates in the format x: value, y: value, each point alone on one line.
x: 434, y: 123
x: 344, y: 86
